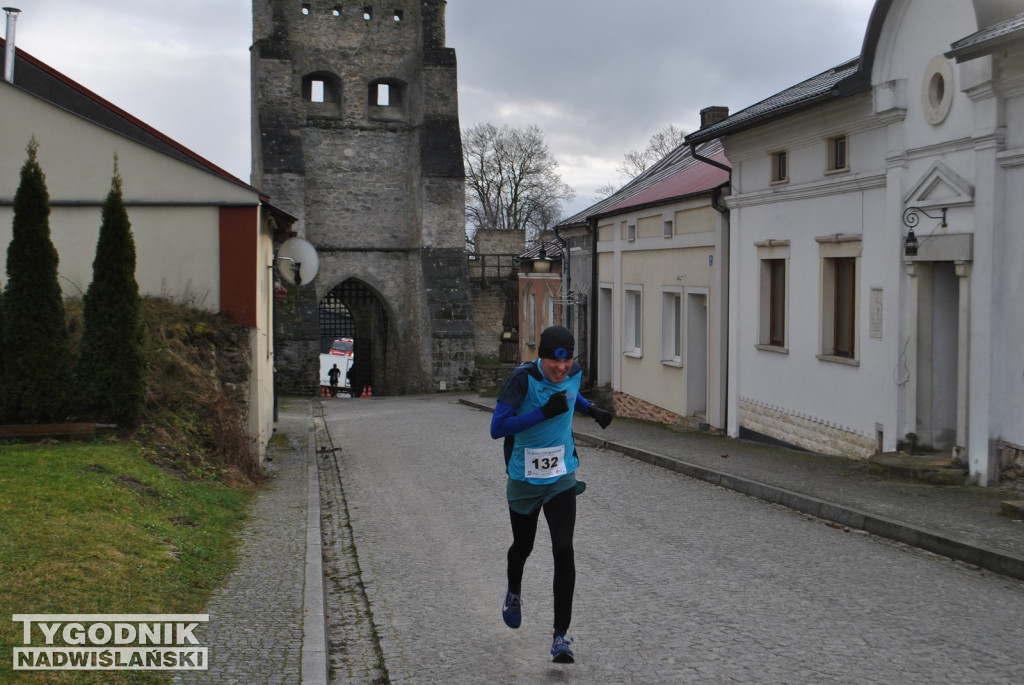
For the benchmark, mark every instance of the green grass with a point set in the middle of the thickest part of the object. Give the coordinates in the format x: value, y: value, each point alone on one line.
x: 96, y: 528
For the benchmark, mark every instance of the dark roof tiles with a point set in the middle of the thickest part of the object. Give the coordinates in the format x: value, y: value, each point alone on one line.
x: 805, y: 93
x: 983, y: 41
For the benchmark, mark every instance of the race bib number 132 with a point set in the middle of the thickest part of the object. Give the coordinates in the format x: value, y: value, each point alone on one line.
x: 546, y: 462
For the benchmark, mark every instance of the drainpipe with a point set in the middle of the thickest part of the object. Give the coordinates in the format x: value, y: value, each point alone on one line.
x: 716, y: 203
x: 12, y: 18
x: 716, y: 194
x: 566, y: 272
x: 594, y: 298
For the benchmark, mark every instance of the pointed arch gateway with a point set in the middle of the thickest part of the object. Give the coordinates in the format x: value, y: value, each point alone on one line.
x: 352, y: 309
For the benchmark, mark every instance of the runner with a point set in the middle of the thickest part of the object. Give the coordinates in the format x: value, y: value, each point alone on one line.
x: 532, y: 414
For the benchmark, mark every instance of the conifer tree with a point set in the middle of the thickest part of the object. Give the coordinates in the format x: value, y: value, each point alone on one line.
x: 1, y: 345
x: 34, y: 376
x: 111, y: 368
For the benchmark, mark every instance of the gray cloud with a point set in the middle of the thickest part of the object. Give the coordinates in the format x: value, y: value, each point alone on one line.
x: 598, y: 76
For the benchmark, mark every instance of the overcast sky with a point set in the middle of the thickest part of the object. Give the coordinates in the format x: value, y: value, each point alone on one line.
x: 599, y: 77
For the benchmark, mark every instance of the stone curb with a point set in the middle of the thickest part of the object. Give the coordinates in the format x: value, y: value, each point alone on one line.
x: 931, y: 541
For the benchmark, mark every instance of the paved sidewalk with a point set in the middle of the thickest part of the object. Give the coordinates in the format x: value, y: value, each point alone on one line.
x: 267, y: 624
x: 962, y: 522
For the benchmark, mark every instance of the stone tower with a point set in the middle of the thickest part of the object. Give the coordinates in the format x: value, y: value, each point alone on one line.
x: 356, y: 133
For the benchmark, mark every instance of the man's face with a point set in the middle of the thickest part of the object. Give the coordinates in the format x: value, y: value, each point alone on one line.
x: 555, y: 370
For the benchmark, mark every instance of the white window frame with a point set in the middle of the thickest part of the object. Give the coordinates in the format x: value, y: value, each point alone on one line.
x: 767, y: 252
x: 530, y: 312
x: 672, y: 326
x: 832, y: 165
x: 779, y: 158
x: 632, y: 320
x: 831, y: 248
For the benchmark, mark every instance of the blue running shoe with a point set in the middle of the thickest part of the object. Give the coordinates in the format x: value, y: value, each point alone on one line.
x: 512, y: 610
x: 560, y: 652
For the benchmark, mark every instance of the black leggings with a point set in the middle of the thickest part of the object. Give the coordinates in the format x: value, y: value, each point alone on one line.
x: 560, y: 513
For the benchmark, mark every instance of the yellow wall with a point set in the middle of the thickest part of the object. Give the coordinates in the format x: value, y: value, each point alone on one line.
x: 647, y: 377
x: 679, y: 265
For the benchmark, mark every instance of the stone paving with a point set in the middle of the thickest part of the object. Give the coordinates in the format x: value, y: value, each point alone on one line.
x: 680, y: 580
x: 256, y: 628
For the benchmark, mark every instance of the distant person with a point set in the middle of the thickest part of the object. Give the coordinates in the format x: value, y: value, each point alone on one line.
x: 533, y: 415
x: 356, y: 379
x: 334, y: 374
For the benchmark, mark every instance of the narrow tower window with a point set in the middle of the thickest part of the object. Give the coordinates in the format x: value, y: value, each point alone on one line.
x: 336, y: 11
x: 305, y: 8
x: 386, y: 99
x: 322, y: 92
x: 367, y: 13
x: 398, y: 16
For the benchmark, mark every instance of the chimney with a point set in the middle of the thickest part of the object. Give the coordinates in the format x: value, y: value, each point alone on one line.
x: 709, y: 116
x: 12, y: 17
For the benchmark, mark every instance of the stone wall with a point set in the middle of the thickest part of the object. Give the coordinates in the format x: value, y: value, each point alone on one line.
x: 488, y: 311
x: 803, y: 431
x: 630, y: 407
x: 488, y: 380
x: 451, y: 311
x: 1011, y: 464
x: 500, y: 242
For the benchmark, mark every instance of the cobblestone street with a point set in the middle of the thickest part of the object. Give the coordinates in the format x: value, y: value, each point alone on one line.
x: 678, y: 580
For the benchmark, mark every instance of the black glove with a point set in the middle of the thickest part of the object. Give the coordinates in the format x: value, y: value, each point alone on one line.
x: 555, y: 406
x: 602, y: 417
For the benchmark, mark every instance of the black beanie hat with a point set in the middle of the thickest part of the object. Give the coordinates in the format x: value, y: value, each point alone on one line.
x: 556, y: 342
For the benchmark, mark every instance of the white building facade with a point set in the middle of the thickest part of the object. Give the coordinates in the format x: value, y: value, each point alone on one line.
x: 843, y: 339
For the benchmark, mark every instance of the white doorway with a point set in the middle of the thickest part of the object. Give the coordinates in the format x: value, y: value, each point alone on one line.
x: 937, y: 355
x: 696, y: 363
x: 605, y: 328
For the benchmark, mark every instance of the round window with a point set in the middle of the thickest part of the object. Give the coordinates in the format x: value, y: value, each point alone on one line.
x: 937, y: 91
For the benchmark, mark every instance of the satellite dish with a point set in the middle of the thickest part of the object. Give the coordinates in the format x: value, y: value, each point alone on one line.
x: 297, y: 261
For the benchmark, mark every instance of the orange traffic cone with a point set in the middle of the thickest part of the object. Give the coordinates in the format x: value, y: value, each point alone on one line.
x: 369, y: 391
x: 364, y: 391
x: 325, y: 391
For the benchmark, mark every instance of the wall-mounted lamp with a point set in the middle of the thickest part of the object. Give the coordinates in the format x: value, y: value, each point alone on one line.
x: 542, y: 264
x: 911, y: 218
x: 910, y: 244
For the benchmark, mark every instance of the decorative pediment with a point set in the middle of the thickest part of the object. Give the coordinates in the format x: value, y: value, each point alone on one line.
x: 940, y: 187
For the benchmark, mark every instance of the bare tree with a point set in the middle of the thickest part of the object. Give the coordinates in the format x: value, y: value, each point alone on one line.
x: 512, y: 183
x: 604, y: 190
x: 636, y: 162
